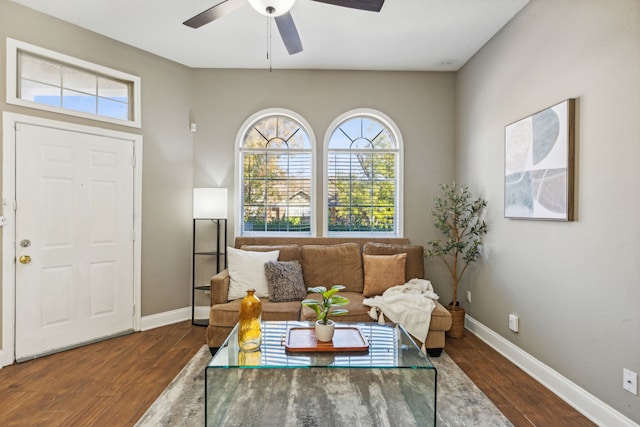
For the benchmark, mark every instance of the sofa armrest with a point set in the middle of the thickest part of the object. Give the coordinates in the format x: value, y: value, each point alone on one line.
x: 220, y: 287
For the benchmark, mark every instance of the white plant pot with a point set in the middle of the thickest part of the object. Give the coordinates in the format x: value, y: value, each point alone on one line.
x: 324, y: 333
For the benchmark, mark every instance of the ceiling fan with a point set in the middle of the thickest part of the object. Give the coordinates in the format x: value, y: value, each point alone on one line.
x: 279, y: 10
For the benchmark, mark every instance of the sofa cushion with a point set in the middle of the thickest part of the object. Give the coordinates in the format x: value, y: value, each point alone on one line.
x: 246, y: 271
x: 287, y: 252
x: 382, y: 272
x: 227, y: 314
x: 415, y: 256
x: 328, y: 265
x: 358, y: 312
x: 285, y: 281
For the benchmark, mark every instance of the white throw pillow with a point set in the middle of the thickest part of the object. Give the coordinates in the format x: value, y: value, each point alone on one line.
x: 246, y: 271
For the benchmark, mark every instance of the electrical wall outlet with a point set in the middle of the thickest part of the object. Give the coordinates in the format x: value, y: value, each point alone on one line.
x: 469, y: 296
x: 630, y: 381
x: 513, y: 322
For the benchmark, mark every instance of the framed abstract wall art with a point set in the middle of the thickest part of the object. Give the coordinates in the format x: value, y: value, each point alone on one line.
x: 539, y: 163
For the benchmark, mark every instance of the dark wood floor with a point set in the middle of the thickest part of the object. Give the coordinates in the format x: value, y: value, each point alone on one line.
x: 112, y: 383
x: 520, y: 398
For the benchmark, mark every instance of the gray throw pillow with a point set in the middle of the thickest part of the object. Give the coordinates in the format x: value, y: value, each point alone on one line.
x: 285, y: 281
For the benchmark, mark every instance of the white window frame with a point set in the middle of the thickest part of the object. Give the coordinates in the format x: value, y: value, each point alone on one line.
x: 14, y: 47
x: 393, y: 128
x: 246, y: 127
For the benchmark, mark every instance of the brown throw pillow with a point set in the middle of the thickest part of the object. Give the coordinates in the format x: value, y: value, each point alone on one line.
x: 415, y: 256
x: 328, y: 265
x: 285, y: 281
x: 382, y: 272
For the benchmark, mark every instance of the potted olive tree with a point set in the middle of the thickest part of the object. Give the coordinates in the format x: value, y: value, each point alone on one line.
x: 457, y: 215
x: 325, y: 308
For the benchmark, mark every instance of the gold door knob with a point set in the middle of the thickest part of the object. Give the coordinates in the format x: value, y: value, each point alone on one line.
x: 25, y: 259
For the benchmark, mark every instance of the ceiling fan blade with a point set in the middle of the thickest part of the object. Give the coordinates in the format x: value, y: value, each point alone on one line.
x: 369, y: 5
x: 223, y: 8
x: 289, y: 33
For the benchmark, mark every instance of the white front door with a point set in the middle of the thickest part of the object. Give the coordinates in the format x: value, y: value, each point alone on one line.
x: 74, y: 238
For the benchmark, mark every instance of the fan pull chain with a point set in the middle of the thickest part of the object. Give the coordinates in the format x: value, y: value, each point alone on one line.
x: 270, y: 11
x: 270, y: 37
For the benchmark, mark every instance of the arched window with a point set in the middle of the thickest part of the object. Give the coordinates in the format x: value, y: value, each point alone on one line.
x: 276, y: 174
x: 363, y: 175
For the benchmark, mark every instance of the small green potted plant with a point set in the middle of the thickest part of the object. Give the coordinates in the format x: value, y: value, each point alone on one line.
x: 457, y: 215
x: 324, y: 309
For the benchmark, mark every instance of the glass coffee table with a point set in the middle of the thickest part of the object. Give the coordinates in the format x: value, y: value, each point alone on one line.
x: 389, y: 382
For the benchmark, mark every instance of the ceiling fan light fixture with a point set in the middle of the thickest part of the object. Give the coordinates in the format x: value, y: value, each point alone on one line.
x: 279, y: 7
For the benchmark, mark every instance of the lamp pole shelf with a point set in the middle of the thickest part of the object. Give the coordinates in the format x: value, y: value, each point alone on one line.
x: 209, y: 204
x: 218, y: 255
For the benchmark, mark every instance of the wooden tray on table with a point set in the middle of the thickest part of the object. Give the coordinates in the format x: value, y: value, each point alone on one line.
x: 302, y: 339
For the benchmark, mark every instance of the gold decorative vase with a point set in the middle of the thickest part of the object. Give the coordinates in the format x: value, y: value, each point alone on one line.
x: 249, y: 333
x: 253, y: 358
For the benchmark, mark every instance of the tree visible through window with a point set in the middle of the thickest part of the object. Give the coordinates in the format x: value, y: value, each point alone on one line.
x: 276, y: 156
x: 362, y: 177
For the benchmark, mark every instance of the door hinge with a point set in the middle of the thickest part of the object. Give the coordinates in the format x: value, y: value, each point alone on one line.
x: 133, y: 161
x: 133, y: 236
x: 134, y: 310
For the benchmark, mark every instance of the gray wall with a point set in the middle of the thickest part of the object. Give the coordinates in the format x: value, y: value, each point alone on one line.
x: 167, y: 94
x: 421, y: 104
x: 575, y: 286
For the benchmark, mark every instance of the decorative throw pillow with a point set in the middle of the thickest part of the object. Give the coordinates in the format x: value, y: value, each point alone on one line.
x: 287, y: 252
x: 285, y: 281
x: 328, y: 265
x: 382, y: 272
x: 246, y: 271
x: 415, y: 256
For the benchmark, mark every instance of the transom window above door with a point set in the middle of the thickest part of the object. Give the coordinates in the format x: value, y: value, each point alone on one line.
x: 277, y: 174
x: 46, y: 80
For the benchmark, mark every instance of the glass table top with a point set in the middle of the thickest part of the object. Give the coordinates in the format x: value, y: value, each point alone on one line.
x: 389, y: 347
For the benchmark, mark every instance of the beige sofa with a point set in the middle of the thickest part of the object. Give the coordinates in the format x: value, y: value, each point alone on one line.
x: 325, y: 262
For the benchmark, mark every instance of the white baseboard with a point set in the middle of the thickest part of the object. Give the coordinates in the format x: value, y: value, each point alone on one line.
x: 167, y: 318
x: 5, y: 359
x: 147, y: 322
x: 590, y: 406
x: 202, y: 311
x: 174, y: 316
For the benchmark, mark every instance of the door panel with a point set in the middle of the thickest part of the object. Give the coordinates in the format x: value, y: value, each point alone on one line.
x: 74, y: 194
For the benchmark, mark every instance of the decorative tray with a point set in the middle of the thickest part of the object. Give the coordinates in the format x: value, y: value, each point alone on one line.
x: 301, y: 339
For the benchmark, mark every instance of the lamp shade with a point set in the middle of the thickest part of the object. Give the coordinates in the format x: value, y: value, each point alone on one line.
x: 210, y: 203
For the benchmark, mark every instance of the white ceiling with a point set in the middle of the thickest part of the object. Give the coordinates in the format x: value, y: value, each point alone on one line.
x: 420, y: 35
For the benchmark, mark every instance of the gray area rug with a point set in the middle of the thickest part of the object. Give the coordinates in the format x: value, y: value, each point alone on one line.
x: 459, y: 401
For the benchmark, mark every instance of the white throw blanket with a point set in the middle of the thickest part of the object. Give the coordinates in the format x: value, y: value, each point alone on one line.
x: 410, y: 305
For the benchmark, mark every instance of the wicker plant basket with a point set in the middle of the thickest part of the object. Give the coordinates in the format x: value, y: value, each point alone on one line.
x: 457, y: 322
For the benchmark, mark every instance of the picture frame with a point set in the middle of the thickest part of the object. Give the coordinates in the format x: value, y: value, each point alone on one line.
x: 539, y: 165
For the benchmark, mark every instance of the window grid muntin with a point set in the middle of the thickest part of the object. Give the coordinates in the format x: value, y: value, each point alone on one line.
x: 60, y: 86
x: 13, y: 47
x: 296, y: 171
x: 384, y: 136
